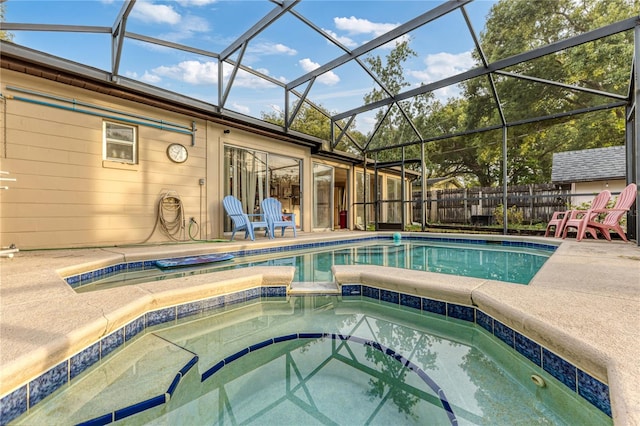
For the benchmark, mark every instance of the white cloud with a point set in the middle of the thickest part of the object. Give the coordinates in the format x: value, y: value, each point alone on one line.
x: 188, y: 3
x: 242, y: 109
x: 192, y: 72
x: 150, y: 78
x: 355, y: 25
x: 329, y: 78
x: 248, y: 80
x: 190, y: 24
x: 146, y: 77
x: 442, y: 65
x: 345, y: 41
x: 195, y: 24
x: 271, y: 49
x: 155, y: 13
x: 206, y: 73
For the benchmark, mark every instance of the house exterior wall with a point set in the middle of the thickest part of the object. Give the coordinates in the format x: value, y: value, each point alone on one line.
x: 592, y: 188
x: 65, y: 195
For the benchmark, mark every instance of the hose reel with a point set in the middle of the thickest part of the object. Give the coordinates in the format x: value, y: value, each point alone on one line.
x: 171, y: 215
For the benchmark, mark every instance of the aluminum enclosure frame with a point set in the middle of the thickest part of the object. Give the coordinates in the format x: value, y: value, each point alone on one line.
x: 281, y: 8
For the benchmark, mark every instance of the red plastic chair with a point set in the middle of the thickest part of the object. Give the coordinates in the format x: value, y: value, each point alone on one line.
x: 559, y: 219
x: 610, y: 222
x: 575, y: 218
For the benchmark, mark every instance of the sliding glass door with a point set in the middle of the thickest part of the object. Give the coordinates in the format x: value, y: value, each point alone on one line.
x: 251, y: 176
x: 284, y: 183
x: 246, y: 174
x: 322, y: 196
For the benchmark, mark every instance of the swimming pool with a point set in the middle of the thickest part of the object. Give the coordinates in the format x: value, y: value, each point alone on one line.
x: 509, y: 261
x: 322, y: 359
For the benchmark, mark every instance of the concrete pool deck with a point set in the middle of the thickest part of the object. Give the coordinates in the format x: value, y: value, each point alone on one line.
x: 584, y: 304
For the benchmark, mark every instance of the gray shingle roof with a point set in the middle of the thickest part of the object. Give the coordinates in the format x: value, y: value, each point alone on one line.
x: 589, y: 165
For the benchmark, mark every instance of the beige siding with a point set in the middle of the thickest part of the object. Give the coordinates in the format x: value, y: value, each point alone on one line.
x: 65, y: 194
x: 614, y: 186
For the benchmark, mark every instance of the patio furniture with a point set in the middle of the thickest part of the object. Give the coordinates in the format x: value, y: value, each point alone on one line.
x: 272, y: 209
x: 560, y: 219
x: 242, y: 221
x: 611, y: 220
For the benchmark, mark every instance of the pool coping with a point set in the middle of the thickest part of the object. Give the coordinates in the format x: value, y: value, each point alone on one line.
x: 606, y: 350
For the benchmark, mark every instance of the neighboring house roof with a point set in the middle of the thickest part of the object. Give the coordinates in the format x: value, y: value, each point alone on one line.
x: 589, y: 165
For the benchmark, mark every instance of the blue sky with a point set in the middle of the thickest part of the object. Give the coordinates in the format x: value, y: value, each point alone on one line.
x: 284, y: 51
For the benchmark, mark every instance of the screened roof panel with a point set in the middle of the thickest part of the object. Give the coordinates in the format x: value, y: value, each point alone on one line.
x: 441, y: 48
x: 342, y: 87
x: 283, y: 43
x: 205, y: 25
x: 57, y: 44
x: 250, y: 94
x: 574, y: 66
x: 275, y: 48
x: 67, y: 12
x: 354, y: 23
x: 523, y: 99
x: 182, y: 72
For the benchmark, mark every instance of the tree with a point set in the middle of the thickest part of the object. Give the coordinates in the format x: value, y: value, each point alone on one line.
x: 396, y: 127
x: 516, y: 26
x: 5, y: 36
x: 315, y: 122
x: 513, y: 27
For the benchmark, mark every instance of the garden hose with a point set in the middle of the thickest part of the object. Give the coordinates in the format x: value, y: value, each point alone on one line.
x: 170, y: 216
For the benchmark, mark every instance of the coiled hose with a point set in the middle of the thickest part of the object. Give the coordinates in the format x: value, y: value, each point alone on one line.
x: 169, y: 216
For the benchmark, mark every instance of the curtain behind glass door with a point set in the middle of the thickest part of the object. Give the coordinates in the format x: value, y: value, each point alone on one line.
x: 284, y: 183
x: 322, y: 196
x: 245, y: 173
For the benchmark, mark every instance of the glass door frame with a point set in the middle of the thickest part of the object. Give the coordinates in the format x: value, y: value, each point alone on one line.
x: 315, y: 208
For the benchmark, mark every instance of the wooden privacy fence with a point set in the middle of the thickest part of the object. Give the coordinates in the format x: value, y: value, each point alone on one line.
x: 478, y: 205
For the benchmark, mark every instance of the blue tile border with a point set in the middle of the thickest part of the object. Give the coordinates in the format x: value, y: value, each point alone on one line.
x: 47, y: 383
x: 25, y: 397
x: 144, y: 405
x: 83, y: 360
x: 594, y: 391
x: 19, y: 401
x: 560, y: 369
x: 578, y: 381
x: 13, y: 405
x: 88, y: 277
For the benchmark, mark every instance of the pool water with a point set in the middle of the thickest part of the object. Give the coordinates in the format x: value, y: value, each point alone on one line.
x: 496, y: 262
x: 320, y: 360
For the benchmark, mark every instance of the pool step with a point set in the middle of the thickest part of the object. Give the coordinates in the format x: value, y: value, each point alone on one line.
x: 314, y: 287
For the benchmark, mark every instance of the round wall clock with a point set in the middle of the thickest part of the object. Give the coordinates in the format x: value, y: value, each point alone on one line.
x: 177, y: 153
